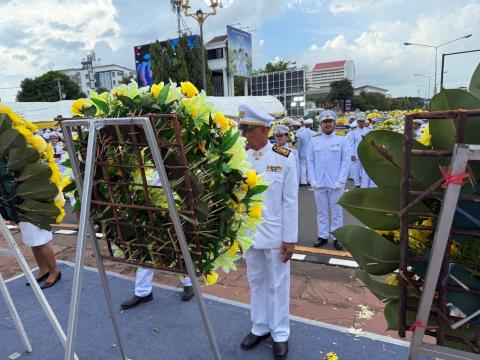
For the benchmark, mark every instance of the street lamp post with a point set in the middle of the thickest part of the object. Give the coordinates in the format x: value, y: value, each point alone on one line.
x: 200, y: 17
x: 443, y: 62
x: 436, y: 54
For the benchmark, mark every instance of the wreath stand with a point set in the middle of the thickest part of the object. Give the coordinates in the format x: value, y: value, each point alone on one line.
x: 84, y: 186
x: 14, y: 251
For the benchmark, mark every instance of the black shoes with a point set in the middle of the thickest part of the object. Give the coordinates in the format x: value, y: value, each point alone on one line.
x: 280, y: 350
x: 252, y: 340
x: 337, y: 245
x: 40, y: 279
x: 136, y: 300
x: 187, y: 293
x: 50, y: 284
x: 320, y: 242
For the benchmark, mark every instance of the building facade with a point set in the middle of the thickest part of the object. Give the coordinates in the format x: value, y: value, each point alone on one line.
x: 216, y: 50
x: 370, y: 89
x: 93, y: 75
x: 288, y: 86
x: 323, y: 74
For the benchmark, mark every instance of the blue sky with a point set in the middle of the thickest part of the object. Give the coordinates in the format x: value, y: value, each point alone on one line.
x: 40, y: 35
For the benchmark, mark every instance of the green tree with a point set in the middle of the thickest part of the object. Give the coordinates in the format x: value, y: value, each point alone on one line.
x: 341, y: 90
x: 179, y: 64
x: 277, y: 66
x: 45, y: 88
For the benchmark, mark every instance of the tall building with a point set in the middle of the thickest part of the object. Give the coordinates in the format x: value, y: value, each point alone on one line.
x: 217, y: 50
x: 93, y: 75
x: 323, y: 74
x: 288, y: 86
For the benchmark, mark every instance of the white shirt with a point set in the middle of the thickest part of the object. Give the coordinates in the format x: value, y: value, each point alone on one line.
x: 304, y: 137
x: 280, y: 201
x: 328, y: 160
x: 356, y: 138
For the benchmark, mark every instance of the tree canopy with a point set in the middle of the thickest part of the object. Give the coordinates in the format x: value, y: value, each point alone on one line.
x: 178, y: 64
x: 45, y: 88
x: 341, y: 90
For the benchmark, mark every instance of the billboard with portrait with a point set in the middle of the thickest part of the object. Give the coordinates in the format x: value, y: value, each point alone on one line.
x: 239, y: 52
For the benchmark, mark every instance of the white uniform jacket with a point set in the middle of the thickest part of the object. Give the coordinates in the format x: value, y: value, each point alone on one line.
x: 329, y: 159
x: 304, y: 137
x: 295, y: 153
x: 357, y: 136
x: 280, y: 201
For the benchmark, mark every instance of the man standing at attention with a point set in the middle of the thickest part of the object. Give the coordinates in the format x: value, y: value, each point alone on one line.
x: 328, y: 164
x: 268, y: 265
x: 303, y: 141
x: 356, y: 138
x: 281, y: 136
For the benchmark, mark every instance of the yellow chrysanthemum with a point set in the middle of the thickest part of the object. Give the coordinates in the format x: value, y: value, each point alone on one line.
x: 233, y: 249
x: 67, y: 180
x: 27, y: 134
x: 211, y: 278
x: 39, y: 144
x: 48, y: 154
x: 221, y: 122
x: 60, y: 217
x: 56, y: 177
x: 188, y: 89
x: 251, y: 178
x: 156, y: 89
x: 255, y: 211
x: 331, y: 356
x: 392, y: 280
x: 30, y: 126
x: 79, y: 106
x: 59, y: 200
x: 194, y: 113
x: 16, y: 120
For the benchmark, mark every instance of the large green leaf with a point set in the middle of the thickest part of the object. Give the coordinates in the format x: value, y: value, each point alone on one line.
x: 374, y: 253
x: 35, y: 171
x: 37, y: 190
x: 381, y: 290
x: 101, y: 105
x: 377, y: 208
x: 381, y: 155
x: 474, y: 87
x: 5, y: 123
x: 11, y: 138
x: 467, y: 302
x: 18, y: 158
x: 391, y: 314
x: 443, y: 131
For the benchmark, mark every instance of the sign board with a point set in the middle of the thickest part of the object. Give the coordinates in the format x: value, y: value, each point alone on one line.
x: 239, y: 52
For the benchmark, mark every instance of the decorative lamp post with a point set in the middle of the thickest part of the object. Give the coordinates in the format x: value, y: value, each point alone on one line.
x: 200, y: 17
x: 436, y: 53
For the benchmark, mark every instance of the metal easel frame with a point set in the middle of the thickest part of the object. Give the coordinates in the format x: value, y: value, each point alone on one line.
x: 461, y: 155
x: 84, y: 187
x: 15, y: 252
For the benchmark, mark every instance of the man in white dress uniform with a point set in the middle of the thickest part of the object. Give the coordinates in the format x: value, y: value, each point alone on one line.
x: 281, y: 137
x: 268, y: 266
x: 356, y: 138
x: 328, y: 164
x: 304, y: 136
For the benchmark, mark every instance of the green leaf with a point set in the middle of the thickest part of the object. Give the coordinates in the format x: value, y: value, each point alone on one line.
x: 377, y: 208
x: 18, y: 158
x: 226, y: 145
x: 101, y: 105
x: 391, y: 314
x: 5, y: 123
x: 380, y: 153
x: 37, y: 190
x: 163, y: 95
x: 443, y: 131
x: 35, y: 171
x: 127, y: 102
x: 467, y: 302
x: 202, y: 211
x: 11, y: 138
x: 374, y: 253
x: 90, y: 111
x: 474, y: 87
x: 256, y: 190
x: 381, y: 290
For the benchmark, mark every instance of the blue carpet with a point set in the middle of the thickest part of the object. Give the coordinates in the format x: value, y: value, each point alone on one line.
x: 165, y: 328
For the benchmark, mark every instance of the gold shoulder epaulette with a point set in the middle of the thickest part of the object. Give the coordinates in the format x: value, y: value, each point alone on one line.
x: 280, y: 150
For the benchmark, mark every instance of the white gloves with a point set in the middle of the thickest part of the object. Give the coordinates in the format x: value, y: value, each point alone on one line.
x: 337, y: 186
x: 315, y: 185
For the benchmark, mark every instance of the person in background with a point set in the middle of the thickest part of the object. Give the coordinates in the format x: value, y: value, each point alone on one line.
x: 329, y: 158
x: 39, y: 241
x: 268, y: 265
x: 417, y: 128
x: 355, y: 140
x: 304, y: 137
x: 281, y: 137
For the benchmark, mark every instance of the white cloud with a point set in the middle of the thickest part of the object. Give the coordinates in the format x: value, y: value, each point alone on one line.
x: 353, y: 6
x: 381, y: 58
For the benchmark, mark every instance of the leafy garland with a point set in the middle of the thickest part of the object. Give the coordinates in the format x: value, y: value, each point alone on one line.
x: 31, y: 184
x: 230, y: 201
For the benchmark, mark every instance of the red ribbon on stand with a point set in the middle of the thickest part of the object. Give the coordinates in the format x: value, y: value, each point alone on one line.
x: 452, y: 179
x: 418, y: 324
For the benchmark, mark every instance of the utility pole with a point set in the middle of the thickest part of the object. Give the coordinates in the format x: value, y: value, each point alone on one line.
x: 59, y: 89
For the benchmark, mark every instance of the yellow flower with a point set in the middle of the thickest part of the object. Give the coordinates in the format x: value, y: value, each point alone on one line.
x: 59, y: 200
x: 255, y: 211
x: 60, y: 217
x: 251, y: 178
x: 233, y: 249
x: 31, y: 126
x: 49, y: 154
x: 27, y: 134
x: 188, y: 89
x: 221, y: 122
x: 67, y: 180
x: 211, y: 278
x: 79, y: 106
x: 4, y: 109
x: 56, y: 177
x: 331, y: 356
x: 39, y: 143
x: 392, y: 280
x: 244, y: 187
x: 194, y: 113
x: 118, y: 91
x: 156, y: 89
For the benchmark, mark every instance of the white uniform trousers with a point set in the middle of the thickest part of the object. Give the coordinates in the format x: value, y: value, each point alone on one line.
x: 356, y: 171
x: 143, y: 282
x: 303, y: 170
x: 366, y: 181
x: 329, y: 213
x: 269, y: 280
